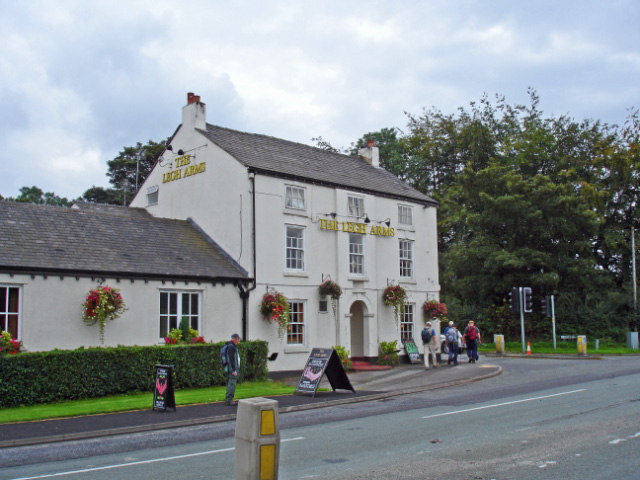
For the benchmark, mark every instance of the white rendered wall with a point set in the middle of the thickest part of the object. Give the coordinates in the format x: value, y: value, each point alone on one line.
x: 52, y: 312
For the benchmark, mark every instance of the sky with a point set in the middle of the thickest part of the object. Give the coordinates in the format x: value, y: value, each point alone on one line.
x: 81, y: 80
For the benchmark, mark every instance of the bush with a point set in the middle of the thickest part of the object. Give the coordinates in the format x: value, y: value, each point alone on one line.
x: 43, y: 377
x: 388, y: 353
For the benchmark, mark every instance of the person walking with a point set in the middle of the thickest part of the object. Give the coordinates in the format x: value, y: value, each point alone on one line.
x: 232, y: 368
x: 430, y: 345
x: 472, y: 339
x: 452, y: 343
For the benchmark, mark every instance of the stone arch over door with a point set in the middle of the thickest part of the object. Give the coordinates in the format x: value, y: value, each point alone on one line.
x: 357, y: 314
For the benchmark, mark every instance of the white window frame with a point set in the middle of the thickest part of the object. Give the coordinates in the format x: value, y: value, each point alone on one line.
x: 355, y: 253
x: 293, y: 196
x: 406, y: 256
x: 152, y: 195
x: 297, y: 328
x: 5, y: 311
x: 355, y: 206
x: 407, y: 321
x: 172, y: 320
x: 294, y: 262
x: 405, y: 215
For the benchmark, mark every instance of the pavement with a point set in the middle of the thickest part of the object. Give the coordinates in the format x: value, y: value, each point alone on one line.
x: 368, y: 386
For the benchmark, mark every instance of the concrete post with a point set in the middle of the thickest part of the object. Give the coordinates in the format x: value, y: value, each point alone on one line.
x: 499, y: 341
x: 632, y: 340
x: 582, y: 344
x: 257, y: 439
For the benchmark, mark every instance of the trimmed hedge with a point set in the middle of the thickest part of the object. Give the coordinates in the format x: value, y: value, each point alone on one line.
x: 44, y: 377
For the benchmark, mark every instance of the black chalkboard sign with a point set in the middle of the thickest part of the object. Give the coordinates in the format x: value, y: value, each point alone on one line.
x: 323, y: 361
x: 412, y: 350
x: 163, y: 394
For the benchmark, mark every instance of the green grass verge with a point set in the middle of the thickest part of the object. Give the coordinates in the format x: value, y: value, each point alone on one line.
x: 138, y: 401
x: 563, y: 348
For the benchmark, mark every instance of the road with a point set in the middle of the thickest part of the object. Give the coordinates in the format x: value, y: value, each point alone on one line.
x: 565, y: 419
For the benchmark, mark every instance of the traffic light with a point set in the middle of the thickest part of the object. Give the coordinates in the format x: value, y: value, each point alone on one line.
x: 514, y: 300
x: 546, y: 306
x: 528, y: 301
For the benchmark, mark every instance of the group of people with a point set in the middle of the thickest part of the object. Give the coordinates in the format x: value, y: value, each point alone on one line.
x: 453, y: 338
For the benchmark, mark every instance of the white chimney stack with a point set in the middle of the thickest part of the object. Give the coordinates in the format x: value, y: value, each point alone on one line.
x: 370, y: 154
x: 194, y: 113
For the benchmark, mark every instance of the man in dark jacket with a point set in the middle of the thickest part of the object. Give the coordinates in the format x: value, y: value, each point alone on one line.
x: 232, y: 368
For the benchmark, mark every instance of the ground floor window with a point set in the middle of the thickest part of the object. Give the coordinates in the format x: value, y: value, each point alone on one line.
x: 9, y: 310
x: 296, y: 330
x: 407, y: 328
x: 176, y: 305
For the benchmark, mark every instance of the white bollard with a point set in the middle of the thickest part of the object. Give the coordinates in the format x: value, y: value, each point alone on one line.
x: 257, y: 439
x: 499, y: 341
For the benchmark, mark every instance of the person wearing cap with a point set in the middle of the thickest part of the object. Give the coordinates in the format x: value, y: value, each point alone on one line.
x: 232, y: 369
x: 429, y: 342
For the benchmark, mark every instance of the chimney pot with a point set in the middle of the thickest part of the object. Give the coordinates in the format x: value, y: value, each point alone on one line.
x: 191, y: 98
x: 371, y: 142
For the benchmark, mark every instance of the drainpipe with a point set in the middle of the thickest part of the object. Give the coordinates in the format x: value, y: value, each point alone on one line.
x: 244, y: 294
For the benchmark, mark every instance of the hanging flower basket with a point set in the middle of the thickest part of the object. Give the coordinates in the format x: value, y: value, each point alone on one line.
x: 102, y: 303
x: 275, y: 308
x: 395, y: 296
x: 332, y: 290
x: 434, y: 310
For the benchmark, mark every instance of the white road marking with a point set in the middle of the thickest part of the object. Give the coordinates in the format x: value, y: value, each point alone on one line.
x: 503, y: 404
x: 143, y: 462
x: 617, y: 441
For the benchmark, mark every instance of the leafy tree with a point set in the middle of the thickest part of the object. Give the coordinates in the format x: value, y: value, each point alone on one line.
x: 103, y: 195
x: 131, y: 162
x: 36, y: 195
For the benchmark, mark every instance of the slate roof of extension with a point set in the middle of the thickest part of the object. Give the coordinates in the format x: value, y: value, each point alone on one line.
x: 108, y: 241
x: 274, y: 156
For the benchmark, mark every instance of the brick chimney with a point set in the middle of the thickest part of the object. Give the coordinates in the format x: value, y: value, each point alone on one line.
x: 370, y: 154
x: 194, y: 113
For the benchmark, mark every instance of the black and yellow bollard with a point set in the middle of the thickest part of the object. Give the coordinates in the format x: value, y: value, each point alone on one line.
x: 257, y: 439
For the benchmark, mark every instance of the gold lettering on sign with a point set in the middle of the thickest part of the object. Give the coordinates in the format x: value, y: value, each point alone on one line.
x: 351, y: 227
x: 189, y: 170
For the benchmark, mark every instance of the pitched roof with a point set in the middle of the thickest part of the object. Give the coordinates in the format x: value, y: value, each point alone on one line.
x: 274, y: 156
x: 113, y: 241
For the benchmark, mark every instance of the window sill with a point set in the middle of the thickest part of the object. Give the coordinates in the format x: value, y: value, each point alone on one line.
x: 409, y: 281
x: 406, y: 228
x: 296, y: 349
x: 296, y: 274
x: 358, y: 279
x: 298, y: 213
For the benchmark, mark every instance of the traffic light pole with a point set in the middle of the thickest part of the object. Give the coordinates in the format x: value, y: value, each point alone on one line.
x: 521, y: 300
x: 553, y: 322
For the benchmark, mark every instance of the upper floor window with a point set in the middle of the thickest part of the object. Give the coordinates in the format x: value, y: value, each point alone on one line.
x: 296, y: 327
x: 406, y: 258
x: 405, y: 215
x: 356, y: 206
x: 356, y: 254
x: 152, y: 195
x: 295, y: 198
x: 295, y: 248
x: 178, y: 305
x: 407, y: 318
x: 10, y: 310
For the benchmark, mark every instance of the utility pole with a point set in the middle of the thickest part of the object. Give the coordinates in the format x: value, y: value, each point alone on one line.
x: 635, y: 286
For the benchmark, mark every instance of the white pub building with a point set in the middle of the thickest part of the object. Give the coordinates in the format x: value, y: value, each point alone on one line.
x: 292, y: 216
x: 223, y: 218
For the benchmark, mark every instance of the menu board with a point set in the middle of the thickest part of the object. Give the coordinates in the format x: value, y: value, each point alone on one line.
x: 163, y: 394
x: 323, y: 361
x: 412, y: 350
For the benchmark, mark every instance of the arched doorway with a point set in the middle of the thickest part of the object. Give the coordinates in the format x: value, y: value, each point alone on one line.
x: 356, y: 313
